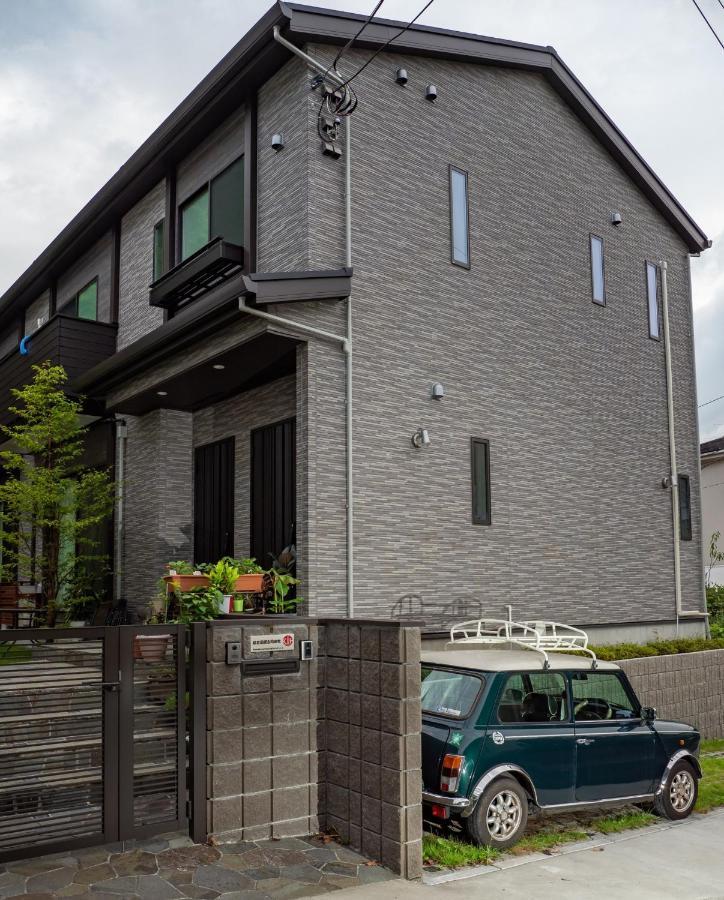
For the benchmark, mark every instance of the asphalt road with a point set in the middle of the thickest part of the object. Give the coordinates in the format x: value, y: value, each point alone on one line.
x: 681, y: 860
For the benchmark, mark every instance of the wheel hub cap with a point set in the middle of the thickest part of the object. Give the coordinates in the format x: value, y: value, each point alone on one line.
x: 503, y: 815
x: 681, y: 791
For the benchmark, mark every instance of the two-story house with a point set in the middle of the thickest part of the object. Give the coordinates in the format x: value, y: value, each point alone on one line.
x: 424, y: 341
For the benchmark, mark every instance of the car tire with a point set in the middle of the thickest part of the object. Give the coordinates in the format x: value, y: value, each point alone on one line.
x: 500, y: 815
x: 678, y: 797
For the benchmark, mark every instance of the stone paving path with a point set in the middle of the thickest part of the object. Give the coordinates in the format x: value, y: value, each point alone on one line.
x: 174, y: 867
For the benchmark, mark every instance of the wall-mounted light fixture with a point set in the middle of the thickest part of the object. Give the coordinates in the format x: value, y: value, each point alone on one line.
x: 431, y: 92
x: 437, y: 391
x: 218, y: 366
x: 616, y: 218
x: 421, y: 438
x: 277, y: 142
x: 162, y: 393
x: 401, y: 76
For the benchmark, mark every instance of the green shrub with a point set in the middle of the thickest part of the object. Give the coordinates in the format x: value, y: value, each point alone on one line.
x: 658, y: 648
x: 715, y: 603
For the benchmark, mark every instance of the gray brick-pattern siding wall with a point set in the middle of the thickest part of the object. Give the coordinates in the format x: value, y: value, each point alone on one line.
x: 96, y: 263
x: 686, y: 687
x: 372, y: 760
x: 38, y: 309
x: 224, y: 145
x: 136, y: 317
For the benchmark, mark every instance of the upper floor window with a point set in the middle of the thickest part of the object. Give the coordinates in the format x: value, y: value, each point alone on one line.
x: 459, y: 230
x: 84, y: 305
x: 158, y: 247
x: 598, y: 281
x: 684, y: 508
x: 217, y: 210
x: 652, y: 298
x: 480, y: 465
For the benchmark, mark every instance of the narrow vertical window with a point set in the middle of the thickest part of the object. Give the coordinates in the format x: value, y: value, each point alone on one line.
x: 459, y: 238
x: 598, y: 283
x: 480, y: 466
x: 195, y: 223
x: 158, y: 242
x: 88, y: 301
x: 652, y: 296
x: 684, y: 508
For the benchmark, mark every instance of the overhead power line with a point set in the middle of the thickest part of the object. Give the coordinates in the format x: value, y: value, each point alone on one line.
x: 354, y: 37
x: 709, y: 402
x: 711, y: 27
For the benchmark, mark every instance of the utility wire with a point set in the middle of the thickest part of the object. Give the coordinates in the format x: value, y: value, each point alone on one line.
x: 711, y: 27
x: 393, y: 38
x: 354, y: 37
x: 709, y: 402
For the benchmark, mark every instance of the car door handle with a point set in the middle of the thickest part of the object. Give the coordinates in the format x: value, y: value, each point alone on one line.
x: 585, y: 741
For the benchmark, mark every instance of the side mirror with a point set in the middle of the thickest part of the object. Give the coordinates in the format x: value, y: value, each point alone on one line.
x: 648, y: 713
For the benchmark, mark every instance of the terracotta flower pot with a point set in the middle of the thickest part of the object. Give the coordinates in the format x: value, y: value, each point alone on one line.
x: 249, y: 584
x: 151, y: 647
x: 187, y: 582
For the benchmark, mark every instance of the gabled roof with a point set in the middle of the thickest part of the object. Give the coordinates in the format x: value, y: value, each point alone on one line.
x: 715, y: 446
x: 256, y: 57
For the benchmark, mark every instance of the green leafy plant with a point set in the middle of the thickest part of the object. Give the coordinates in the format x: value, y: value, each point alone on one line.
x: 197, y: 605
x: 716, y: 556
x: 180, y: 567
x: 83, y: 593
x: 248, y: 566
x: 223, y: 575
x: 47, y: 489
x: 281, y: 584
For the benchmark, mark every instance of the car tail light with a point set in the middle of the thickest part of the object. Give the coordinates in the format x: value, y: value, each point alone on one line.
x: 440, y: 812
x: 451, y: 767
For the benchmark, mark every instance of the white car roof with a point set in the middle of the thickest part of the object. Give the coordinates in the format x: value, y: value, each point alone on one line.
x: 511, y: 660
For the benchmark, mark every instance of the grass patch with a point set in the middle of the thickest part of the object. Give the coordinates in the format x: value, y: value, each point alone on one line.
x: 713, y: 745
x: 624, y: 821
x: 547, y: 839
x: 711, y: 786
x: 449, y: 853
x: 14, y: 654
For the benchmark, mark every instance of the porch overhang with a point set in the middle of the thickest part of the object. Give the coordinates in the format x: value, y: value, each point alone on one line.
x: 296, y: 287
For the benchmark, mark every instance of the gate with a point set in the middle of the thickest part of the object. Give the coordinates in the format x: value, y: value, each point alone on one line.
x: 92, y: 736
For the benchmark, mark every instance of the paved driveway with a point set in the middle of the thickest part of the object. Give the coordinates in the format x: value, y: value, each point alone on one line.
x: 682, y: 860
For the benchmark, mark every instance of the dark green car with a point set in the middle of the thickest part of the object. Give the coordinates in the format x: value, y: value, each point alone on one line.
x: 503, y: 735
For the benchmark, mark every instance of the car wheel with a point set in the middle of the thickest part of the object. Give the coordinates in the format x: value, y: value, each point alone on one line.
x: 500, y: 815
x: 677, y: 799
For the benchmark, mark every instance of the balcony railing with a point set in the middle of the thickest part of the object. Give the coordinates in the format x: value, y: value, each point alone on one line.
x: 207, y: 268
x: 75, y: 344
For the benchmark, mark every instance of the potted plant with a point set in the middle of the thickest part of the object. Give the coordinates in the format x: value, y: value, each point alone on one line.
x: 223, y: 576
x: 281, y: 585
x: 183, y: 577
x: 250, y: 578
x: 198, y: 605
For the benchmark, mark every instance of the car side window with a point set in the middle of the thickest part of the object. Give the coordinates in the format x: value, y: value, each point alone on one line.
x: 601, y: 696
x: 533, y: 697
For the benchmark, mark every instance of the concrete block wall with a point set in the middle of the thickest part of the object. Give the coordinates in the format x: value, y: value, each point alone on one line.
x: 371, y: 737
x: 335, y: 746
x: 687, y: 687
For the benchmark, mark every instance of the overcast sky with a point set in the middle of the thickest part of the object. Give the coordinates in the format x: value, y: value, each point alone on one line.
x: 84, y: 82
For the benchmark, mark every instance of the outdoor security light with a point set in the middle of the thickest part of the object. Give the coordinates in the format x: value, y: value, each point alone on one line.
x: 421, y: 438
x: 401, y: 76
x: 616, y: 218
x: 431, y: 92
x: 277, y: 142
x: 218, y: 366
x: 438, y: 391
x: 162, y: 393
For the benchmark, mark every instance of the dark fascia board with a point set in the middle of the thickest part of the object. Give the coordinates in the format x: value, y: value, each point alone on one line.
x: 254, y: 59
x: 193, y: 323
x: 293, y: 287
x: 310, y: 23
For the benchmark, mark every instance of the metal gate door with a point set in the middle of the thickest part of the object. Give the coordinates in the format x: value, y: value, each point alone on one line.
x: 92, y: 736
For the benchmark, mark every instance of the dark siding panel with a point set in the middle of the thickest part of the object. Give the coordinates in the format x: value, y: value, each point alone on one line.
x: 273, y: 489
x: 214, y: 501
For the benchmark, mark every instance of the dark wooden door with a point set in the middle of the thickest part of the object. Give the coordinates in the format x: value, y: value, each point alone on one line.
x: 273, y: 489
x: 214, y: 501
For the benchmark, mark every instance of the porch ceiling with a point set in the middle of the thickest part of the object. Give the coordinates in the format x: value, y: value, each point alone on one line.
x: 259, y: 360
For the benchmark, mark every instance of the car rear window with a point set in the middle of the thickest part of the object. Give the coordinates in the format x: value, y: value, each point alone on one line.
x: 446, y: 693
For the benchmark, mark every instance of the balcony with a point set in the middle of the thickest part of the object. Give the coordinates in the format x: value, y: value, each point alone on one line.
x: 75, y: 344
x: 204, y: 270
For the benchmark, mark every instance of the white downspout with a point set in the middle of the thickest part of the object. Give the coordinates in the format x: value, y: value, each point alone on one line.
x: 674, y: 476
x: 119, y: 524
x: 347, y: 340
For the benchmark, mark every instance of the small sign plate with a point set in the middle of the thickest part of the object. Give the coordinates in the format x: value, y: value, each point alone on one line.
x: 264, y: 643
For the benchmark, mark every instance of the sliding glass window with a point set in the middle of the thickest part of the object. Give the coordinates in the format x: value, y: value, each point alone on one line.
x: 598, y: 281
x: 459, y: 219
x: 652, y: 298
x: 217, y: 210
x: 195, y: 223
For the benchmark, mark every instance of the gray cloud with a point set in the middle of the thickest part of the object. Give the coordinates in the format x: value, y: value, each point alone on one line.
x: 83, y: 83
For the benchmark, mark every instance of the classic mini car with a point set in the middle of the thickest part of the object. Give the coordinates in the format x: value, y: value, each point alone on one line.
x: 531, y: 729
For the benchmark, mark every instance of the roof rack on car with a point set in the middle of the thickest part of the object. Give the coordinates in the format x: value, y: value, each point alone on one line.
x: 542, y: 636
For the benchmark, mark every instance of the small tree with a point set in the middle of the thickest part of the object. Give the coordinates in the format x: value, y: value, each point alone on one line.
x: 50, y: 502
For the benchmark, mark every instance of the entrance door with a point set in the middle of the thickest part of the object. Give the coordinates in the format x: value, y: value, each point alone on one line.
x: 273, y: 490
x: 214, y: 501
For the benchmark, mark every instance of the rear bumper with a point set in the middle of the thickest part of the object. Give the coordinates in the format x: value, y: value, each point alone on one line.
x: 456, y: 803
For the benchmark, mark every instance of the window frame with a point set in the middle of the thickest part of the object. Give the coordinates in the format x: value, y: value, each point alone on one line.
x: 73, y: 302
x: 481, y: 677
x: 686, y: 527
x: 527, y: 673
x: 628, y: 690
x: 488, y: 518
x: 453, y: 260
x: 647, y: 263
x: 591, y: 238
x: 160, y: 226
x: 206, y: 186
